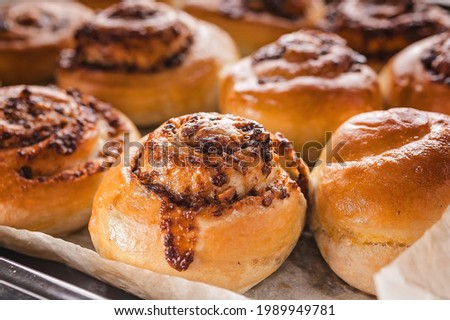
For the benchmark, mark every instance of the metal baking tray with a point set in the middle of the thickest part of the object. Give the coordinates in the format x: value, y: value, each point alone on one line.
x: 26, y: 278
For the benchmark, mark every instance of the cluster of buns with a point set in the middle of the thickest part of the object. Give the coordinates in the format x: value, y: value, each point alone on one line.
x: 223, y: 198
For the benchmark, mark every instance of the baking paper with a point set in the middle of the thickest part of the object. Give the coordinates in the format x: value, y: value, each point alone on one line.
x: 422, y: 271
x: 305, y: 275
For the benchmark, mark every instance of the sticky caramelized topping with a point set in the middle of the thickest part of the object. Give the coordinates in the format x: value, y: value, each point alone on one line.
x: 28, y: 117
x: 203, y: 164
x: 35, y: 120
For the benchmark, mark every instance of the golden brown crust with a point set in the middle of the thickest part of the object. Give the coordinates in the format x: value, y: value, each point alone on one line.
x: 208, y: 199
x: 394, y: 183
x: 33, y: 31
x: 379, y: 29
x: 308, y: 75
x: 52, y: 162
x: 255, y: 23
x: 419, y: 76
x: 148, y: 60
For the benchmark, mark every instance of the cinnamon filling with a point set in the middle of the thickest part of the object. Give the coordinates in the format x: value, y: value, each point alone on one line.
x: 32, y: 121
x: 197, y: 165
x: 88, y: 169
x: 22, y: 21
x: 436, y: 60
x: 305, y: 53
x: 132, y: 36
x: 386, y: 19
x: 289, y: 9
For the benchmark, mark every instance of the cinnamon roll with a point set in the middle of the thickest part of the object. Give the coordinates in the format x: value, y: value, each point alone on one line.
x: 32, y: 33
x: 304, y: 84
x: 212, y: 198
x: 255, y: 23
x: 391, y: 185
x: 419, y: 76
x: 148, y: 60
x: 52, y: 159
x: 379, y: 28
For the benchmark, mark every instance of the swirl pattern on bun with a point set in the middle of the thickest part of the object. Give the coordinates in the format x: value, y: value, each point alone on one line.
x: 419, y: 76
x: 437, y: 59
x: 305, y: 54
x: 392, y: 184
x: 148, y: 60
x: 213, y: 198
x: 308, y: 75
x: 379, y: 29
x: 133, y: 37
x: 33, y: 31
x: 52, y: 158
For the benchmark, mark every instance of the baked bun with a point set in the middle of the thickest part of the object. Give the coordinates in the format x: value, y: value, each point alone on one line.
x: 207, y: 199
x: 255, y: 23
x: 303, y: 85
x: 419, y: 76
x: 32, y: 33
x: 148, y: 60
x: 392, y: 184
x: 52, y: 159
x: 379, y: 29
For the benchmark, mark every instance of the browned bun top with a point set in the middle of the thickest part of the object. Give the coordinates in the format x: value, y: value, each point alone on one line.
x: 305, y: 53
x: 392, y: 22
x: 38, y: 23
x: 394, y: 181
x: 38, y: 123
x: 304, y: 58
x: 206, y: 163
x: 394, y: 133
x: 436, y: 59
x: 133, y: 35
x: 290, y: 9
